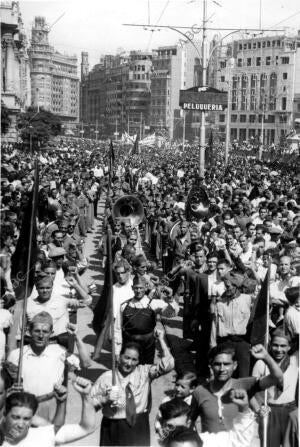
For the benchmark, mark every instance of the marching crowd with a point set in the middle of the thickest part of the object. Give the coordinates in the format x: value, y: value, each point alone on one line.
x: 215, y: 250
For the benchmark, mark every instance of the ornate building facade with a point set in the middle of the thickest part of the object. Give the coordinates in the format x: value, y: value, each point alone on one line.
x: 15, y: 70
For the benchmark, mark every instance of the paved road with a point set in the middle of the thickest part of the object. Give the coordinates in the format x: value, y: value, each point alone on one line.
x: 95, y: 274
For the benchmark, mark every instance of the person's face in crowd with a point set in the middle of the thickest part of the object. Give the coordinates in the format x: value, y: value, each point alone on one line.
x: 17, y: 423
x: 265, y: 259
x: 277, y: 219
x: 268, y: 226
x: 237, y: 233
x: 139, y: 291
x: 122, y: 275
x: 223, y: 367
x: 58, y: 239
x: 223, y: 269
x: 39, y: 241
x: 183, y: 388
x: 212, y: 264
x: 279, y: 348
x: 230, y: 239
x: 223, y: 232
x: 244, y: 243
x: 230, y: 288
x: 212, y: 201
x: 142, y: 269
x: 117, y: 228
x: 132, y: 240
x: 44, y: 291
x: 59, y: 260
x: 214, y: 235
x: 284, y: 265
x: 259, y: 232
x: 263, y: 212
x: 40, y: 335
x: 72, y: 252
x: 127, y: 228
x: 59, y: 214
x: 54, y: 193
x: 168, y: 210
x: 200, y: 258
x: 50, y: 271
x: 183, y: 229
x: 170, y: 425
x: 175, y: 214
x: 128, y: 361
x: 8, y: 242
x: 71, y: 229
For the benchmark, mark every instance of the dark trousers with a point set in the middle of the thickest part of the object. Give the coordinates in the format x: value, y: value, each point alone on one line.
x: 95, y: 207
x: 117, y: 432
x: 242, y: 350
x: 202, y: 340
x: 278, y: 420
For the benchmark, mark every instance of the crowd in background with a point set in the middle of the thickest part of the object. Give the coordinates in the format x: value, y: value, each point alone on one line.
x: 203, y: 255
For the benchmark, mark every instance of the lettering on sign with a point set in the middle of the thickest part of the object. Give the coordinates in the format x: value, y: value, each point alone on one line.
x: 204, y: 107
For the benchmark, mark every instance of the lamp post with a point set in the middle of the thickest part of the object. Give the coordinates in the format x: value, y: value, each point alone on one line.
x: 230, y: 67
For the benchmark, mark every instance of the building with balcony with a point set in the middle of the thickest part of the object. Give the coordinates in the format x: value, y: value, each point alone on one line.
x: 115, y: 94
x: 15, y: 73
x: 54, y: 79
x: 264, y: 87
x: 173, y: 68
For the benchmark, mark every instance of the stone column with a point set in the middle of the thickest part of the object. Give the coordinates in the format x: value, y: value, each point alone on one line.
x: 10, y: 64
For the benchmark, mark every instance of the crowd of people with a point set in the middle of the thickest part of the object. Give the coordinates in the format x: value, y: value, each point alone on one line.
x: 209, y: 249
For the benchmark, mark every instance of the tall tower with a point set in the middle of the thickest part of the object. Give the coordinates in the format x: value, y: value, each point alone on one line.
x: 40, y: 31
x: 84, y: 64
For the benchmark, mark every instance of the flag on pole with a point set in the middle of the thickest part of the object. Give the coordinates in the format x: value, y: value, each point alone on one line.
x: 136, y: 149
x: 111, y: 154
x: 258, y: 322
x: 102, y: 311
x: 26, y: 248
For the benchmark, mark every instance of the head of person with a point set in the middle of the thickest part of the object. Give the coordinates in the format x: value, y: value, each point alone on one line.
x: 233, y: 283
x: 140, y: 264
x: 212, y: 261
x: 128, y: 252
x: 250, y: 228
x: 280, y: 345
x: 139, y: 287
x: 200, y: 257
x: 58, y: 238
x: 182, y: 437
x: 6, y: 382
x: 237, y: 232
x: 284, y: 265
x: 49, y: 267
x: 132, y: 239
x: 260, y: 244
x: 129, y: 358
x: 183, y: 228
x: 293, y: 296
x: 57, y: 255
x: 20, y: 407
x: 126, y: 227
x: 244, y: 242
x: 122, y: 271
x: 222, y: 361
x: 185, y: 384
x: 174, y: 413
x: 223, y: 267
x: 44, y: 286
x: 40, y: 329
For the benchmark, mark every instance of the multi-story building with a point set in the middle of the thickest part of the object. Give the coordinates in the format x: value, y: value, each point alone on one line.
x: 174, y: 68
x: 264, y: 76
x: 115, y: 94
x: 15, y: 73
x: 54, y: 80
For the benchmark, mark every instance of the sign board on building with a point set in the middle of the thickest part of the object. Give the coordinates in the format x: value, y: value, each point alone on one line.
x: 203, y: 99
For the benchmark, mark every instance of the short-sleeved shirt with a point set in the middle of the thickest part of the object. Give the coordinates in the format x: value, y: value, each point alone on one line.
x: 40, y: 436
x: 218, y: 414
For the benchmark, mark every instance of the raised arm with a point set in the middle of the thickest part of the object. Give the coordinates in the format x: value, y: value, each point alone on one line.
x: 166, y: 363
x: 72, y: 432
x: 276, y: 376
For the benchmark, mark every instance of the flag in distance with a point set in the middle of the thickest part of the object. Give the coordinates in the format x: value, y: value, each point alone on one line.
x: 257, y: 326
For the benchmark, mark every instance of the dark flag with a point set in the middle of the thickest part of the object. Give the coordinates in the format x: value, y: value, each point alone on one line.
x: 24, y: 258
x: 102, y: 310
x: 257, y: 326
x: 209, y: 149
x: 254, y: 193
x: 136, y: 149
x: 111, y: 154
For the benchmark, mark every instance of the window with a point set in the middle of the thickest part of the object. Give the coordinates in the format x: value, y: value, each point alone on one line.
x: 268, y: 60
x: 252, y: 118
x: 223, y: 64
x: 254, y: 45
x: 271, y: 119
x: 268, y: 43
x: 276, y: 60
x: 249, y: 62
x: 249, y: 46
x: 283, y: 103
x: 240, y: 46
x: 233, y: 118
x: 245, y: 46
x: 284, y: 75
x: 240, y: 62
x: 264, y: 44
x: 243, y: 118
x: 222, y: 78
x: 258, y: 44
x: 258, y: 61
x: 222, y: 117
x: 285, y: 60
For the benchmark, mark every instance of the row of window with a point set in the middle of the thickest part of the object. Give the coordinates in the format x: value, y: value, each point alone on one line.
x: 263, y: 44
x: 259, y: 61
x: 141, y: 76
x: 269, y: 119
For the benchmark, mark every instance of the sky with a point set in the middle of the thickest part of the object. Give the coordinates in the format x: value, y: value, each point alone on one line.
x: 96, y: 26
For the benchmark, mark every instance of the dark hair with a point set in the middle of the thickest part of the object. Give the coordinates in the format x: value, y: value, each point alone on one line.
x: 131, y: 345
x: 223, y: 348
x: 224, y: 261
x: 188, y: 375
x: 174, y: 408
x: 21, y: 399
x: 182, y: 435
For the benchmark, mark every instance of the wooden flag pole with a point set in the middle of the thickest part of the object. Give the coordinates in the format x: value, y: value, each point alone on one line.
x: 33, y: 216
x: 110, y: 298
x: 265, y: 421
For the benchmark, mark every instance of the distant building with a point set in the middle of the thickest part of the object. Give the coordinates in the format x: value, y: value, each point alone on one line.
x: 265, y: 83
x: 174, y: 68
x: 115, y: 94
x: 54, y: 79
x: 15, y: 74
